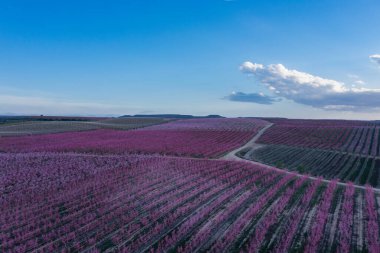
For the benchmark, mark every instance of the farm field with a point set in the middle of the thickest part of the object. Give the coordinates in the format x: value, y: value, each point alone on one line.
x: 334, y: 149
x: 88, y: 203
x: 349, y: 136
x: 195, y: 138
x: 330, y: 164
x: 53, y: 126
x: 166, y: 188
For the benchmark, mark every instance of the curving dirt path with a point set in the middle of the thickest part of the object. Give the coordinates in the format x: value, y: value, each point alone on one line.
x: 250, y: 144
x: 231, y: 156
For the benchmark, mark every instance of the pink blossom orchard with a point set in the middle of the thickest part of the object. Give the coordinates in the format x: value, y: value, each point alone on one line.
x: 350, y: 136
x: 135, y: 203
x: 131, y: 191
x: 196, y: 138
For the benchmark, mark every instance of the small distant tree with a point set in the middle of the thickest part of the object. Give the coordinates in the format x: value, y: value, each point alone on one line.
x: 301, y: 169
x: 280, y: 164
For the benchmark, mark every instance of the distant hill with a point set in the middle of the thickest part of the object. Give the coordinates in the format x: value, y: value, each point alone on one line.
x: 169, y: 116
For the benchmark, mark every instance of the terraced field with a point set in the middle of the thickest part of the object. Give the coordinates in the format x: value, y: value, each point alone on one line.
x: 70, y: 202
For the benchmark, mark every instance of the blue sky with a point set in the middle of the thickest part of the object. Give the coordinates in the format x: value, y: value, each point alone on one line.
x: 126, y: 57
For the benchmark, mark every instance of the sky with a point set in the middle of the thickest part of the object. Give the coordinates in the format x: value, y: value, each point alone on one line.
x: 296, y: 59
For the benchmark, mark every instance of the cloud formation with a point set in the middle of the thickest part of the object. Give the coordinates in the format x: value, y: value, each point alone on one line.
x: 356, y: 80
x: 258, y: 98
x: 307, y: 89
x: 375, y: 58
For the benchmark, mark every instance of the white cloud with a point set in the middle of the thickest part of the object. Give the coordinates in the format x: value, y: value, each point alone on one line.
x: 359, y: 82
x: 375, y: 58
x: 356, y: 80
x: 308, y: 89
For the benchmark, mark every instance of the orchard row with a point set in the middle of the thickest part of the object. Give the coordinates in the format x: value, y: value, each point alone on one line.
x: 329, y: 164
x: 194, y: 138
x: 70, y: 202
x: 355, y: 139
